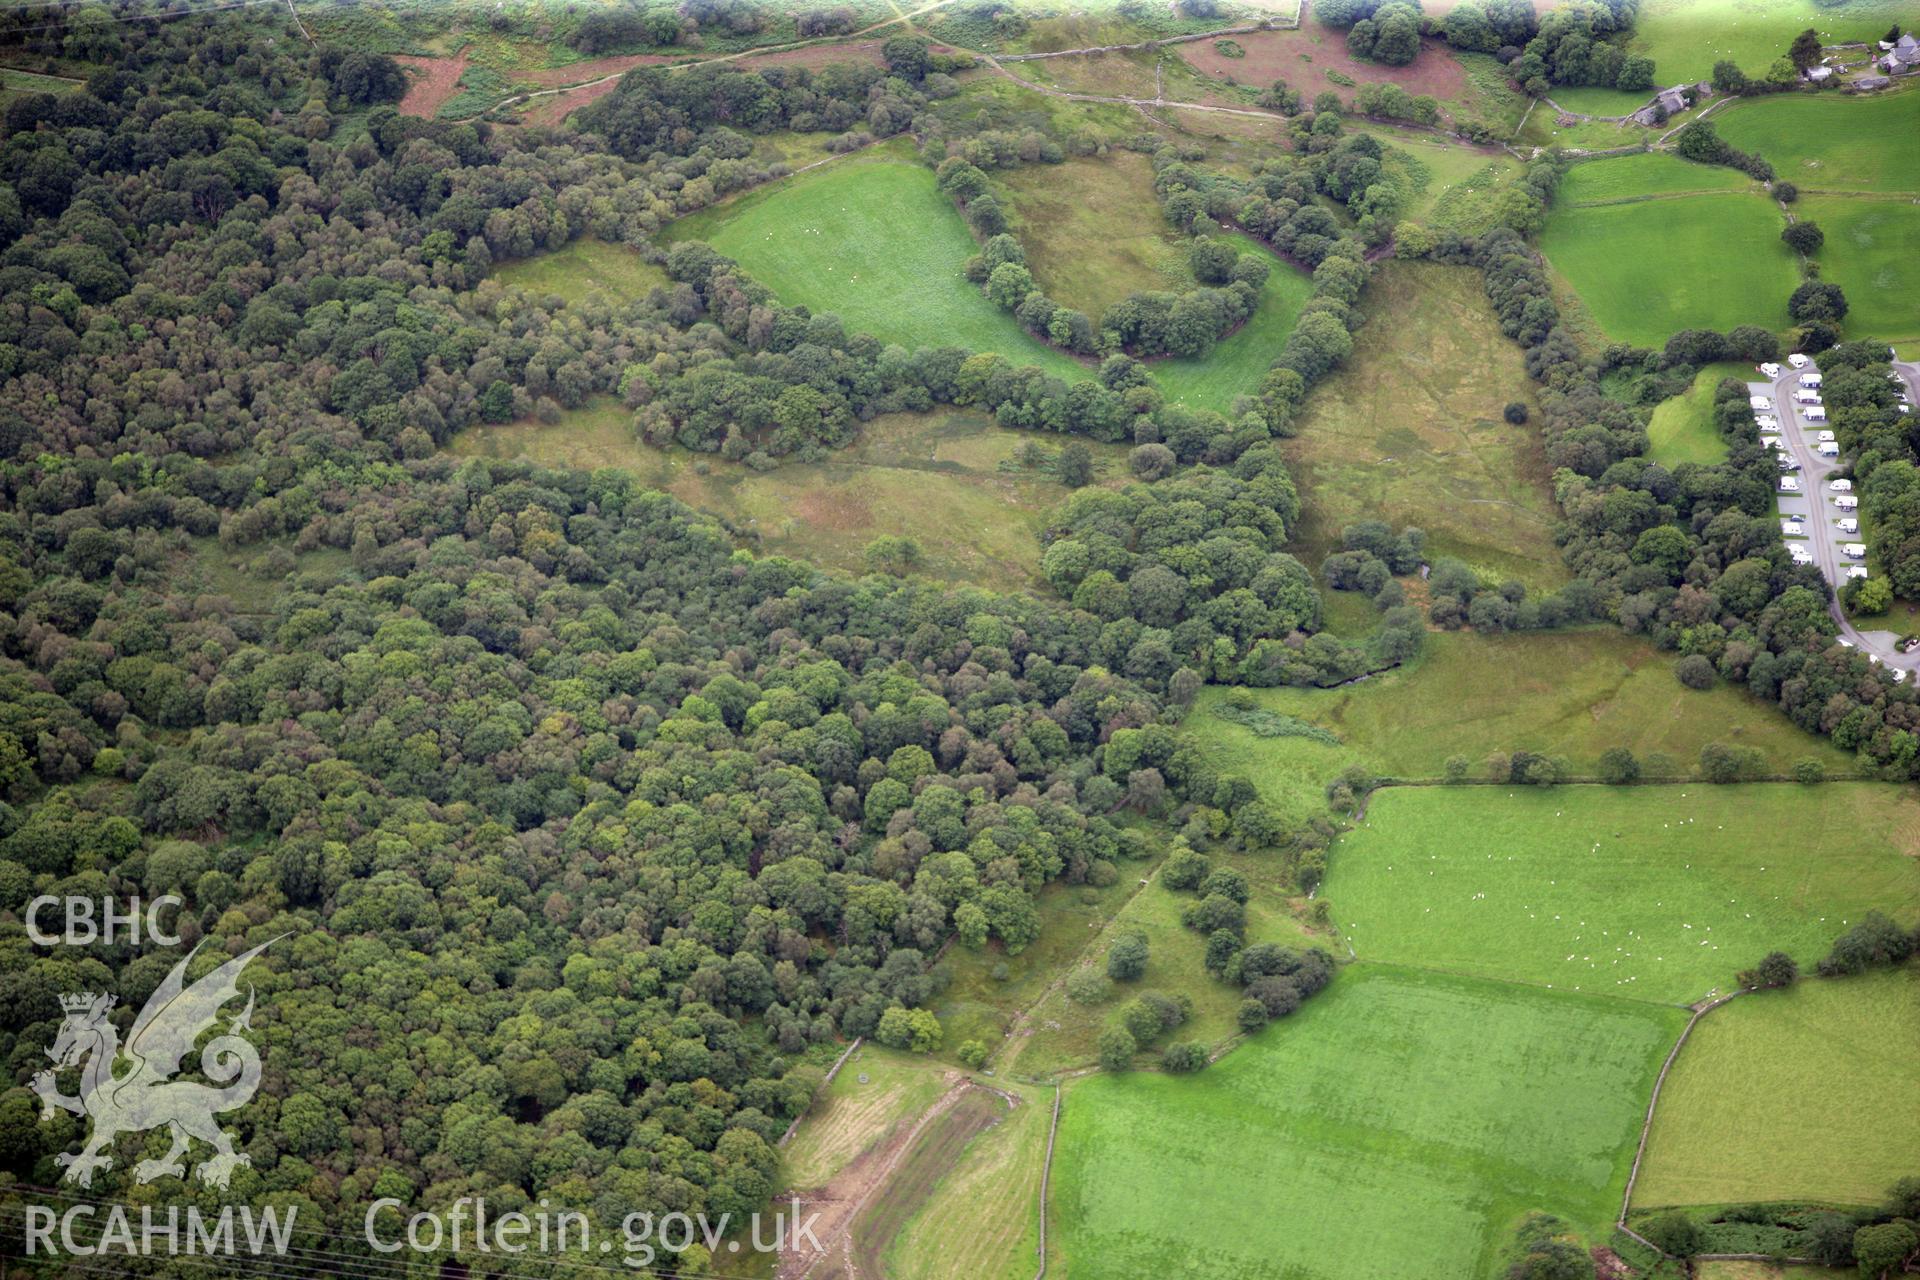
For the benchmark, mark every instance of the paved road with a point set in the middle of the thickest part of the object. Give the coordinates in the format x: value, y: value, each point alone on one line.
x: 1813, y: 505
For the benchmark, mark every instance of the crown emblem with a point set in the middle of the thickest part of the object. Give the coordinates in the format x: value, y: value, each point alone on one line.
x: 85, y: 1002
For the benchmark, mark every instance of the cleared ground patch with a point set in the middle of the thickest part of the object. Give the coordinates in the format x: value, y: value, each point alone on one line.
x: 1303, y: 58
x: 1396, y: 1126
x: 950, y: 480
x: 1768, y: 1271
x: 887, y: 1204
x: 1410, y: 431
x: 1567, y: 693
x: 981, y: 1217
x: 1832, y: 143
x: 874, y: 241
x: 1649, y: 269
x: 1059, y: 1034
x: 1801, y: 1094
x: 430, y: 82
x: 1682, y: 427
x: 1093, y: 230
x: 988, y: 992
x: 1873, y: 253
x: 584, y: 267
x: 877, y: 1094
x: 1651, y: 893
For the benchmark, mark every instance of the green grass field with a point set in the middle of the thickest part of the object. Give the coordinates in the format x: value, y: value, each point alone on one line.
x: 1618, y: 178
x: 1241, y: 359
x: 1802, y: 1094
x: 585, y: 266
x: 874, y: 241
x: 15, y: 83
x: 951, y: 480
x: 1649, y: 269
x: 1410, y: 431
x: 1396, y: 1126
x: 1873, y: 253
x: 1832, y: 143
x: 1653, y: 893
x: 1686, y: 37
x: 1569, y: 693
x: 1682, y: 427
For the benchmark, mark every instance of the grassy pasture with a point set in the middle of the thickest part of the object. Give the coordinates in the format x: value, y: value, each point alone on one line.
x: 1410, y: 431
x: 584, y: 267
x: 1832, y: 143
x: 1873, y: 253
x: 1682, y: 428
x: 1238, y: 361
x: 1395, y: 1126
x: 1801, y: 1094
x: 1570, y: 693
x: 15, y: 83
x: 1686, y: 37
x: 873, y: 240
x: 1618, y: 178
x: 1458, y: 187
x: 1646, y: 270
x: 950, y: 480
x: 1656, y: 894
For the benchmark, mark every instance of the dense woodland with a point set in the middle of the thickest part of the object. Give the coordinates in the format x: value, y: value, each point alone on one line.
x: 593, y: 831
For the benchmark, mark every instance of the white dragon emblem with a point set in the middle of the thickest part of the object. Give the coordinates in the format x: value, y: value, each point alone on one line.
x: 144, y: 1096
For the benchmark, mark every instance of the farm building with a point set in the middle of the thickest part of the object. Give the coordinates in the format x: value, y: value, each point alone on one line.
x: 1671, y: 102
x: 1819, y: 75
x: 1867, y: 84
x: 1903, y: 58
